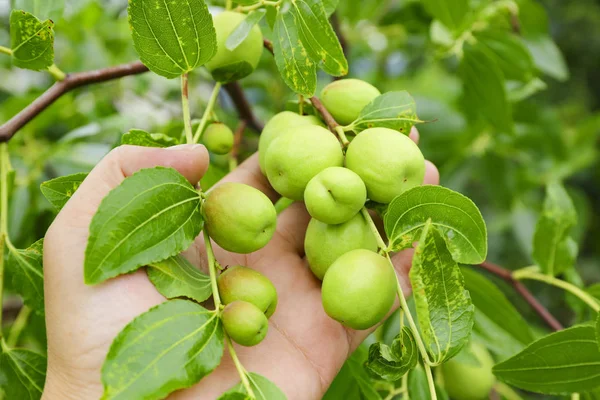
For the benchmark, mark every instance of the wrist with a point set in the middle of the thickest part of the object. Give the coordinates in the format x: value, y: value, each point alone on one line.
x: 60, y: 386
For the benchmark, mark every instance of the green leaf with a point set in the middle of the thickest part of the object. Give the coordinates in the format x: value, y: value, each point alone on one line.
x: 59, y: 190
x: 234, y: 396
x: 28, y: 274
x: 295, y: 66
x: 318, y: 37
x: 450, y: 12
x: 177, y: 277
x: 353, y: 382
x: 598, y: 330
x: 31, y: 41
x: 172, y: 37
x: 393, y: 362
x: 550, y: 241
x: 138, y: 137
x: 52, y: 9
x: 452, y: 213
x: 152, y: 215
x: 24, y: 372
x: 170, y: 347
x: 394, y: 110
x: 263, y: 389
x: 484, y: 87
x: 497, y: 323
x: 444, y: 308
x: 330, y: 6
x: 418, y: 387
x: 561, y: 363
x: 242, y: 31
x: 509, y: 52
x: 547, y: 57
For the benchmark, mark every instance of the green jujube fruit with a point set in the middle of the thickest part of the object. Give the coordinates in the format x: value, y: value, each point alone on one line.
x: 359, y: 289
x: 281, y: 123
x: 231, y: 65
x: 244, y: 323
x: 388, y: 162
x: 345, y: 98
x: 464, y: 380
x: 295, y: 157
x: 323, y: 243
x: 218, y: 138
x: 335, y: 195
x: 239, y: 218
x: 243, y: 283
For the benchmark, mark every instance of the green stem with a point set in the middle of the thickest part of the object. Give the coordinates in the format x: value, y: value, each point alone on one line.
x: 300, y: 104
x: 430, y: 381
x: 228, y: 4
x: 211, y: 268
x: 374, y: 229
x: 18, y: 326
x: 207, y: 112
x: 240, y: 368
x: 57, y: 73
x: 340, y: 132
x: 4, y: 169
x: 5, y: 50
x: 405, y: 385
x: 550, y: 280
x: 506, y: 391
x: 185, y: 106
x: 260, y: 4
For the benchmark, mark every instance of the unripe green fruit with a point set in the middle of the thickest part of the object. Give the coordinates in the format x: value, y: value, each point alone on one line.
x: 277, y: 125
x: 346, y: 98
x: 323, y: 244
x: 231, y: 65
x: 239, y: 218
x: 242, y: 283
x: 244, y: 323
x: 295, y: 157
x: 388, y: 162
x: 359, y: 289
x: 218, y: 138
x: 464, y: 381
x: 335, y: 195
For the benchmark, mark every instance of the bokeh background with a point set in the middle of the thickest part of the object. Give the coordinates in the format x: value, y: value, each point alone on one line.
x: 390, y: 43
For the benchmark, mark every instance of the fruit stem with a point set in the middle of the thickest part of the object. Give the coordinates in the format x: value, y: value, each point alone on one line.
x: 506, y: 391
x: 430, y: 381
x: 300, y: 104
x: 340, y: 132
x: 57, y: 73
x: 5, y: 50
x: 527, y: 273
x: 258, y: 5
x: 374, y: 229
x: 212, y: 270
x: 185, y: 105
x: 207, y: 112
x: 18, y: 326
x: 240, y: 368
x: 4, y: 169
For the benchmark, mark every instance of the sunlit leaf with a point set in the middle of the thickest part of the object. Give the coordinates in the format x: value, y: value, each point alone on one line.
x: 177, y: 277
x: 138, y: 137
x: 31, y: 41
x: 59, y: 190
x: 450, y: 12
x: 263, y: 389
x: 242, y: 31
x: 394, y: 110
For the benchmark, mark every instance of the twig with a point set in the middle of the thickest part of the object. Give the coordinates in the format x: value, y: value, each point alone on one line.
x: 525, y: 293
x: 72, y: 81
x: 237, y: 140
x: 268, y: 45
x: 327, y: 117
x: 236, y: 93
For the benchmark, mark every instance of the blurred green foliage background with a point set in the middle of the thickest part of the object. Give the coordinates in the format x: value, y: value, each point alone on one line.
x: 392, y: 44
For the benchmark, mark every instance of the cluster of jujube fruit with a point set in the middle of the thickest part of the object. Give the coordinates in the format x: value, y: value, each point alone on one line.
x: 304, y: 161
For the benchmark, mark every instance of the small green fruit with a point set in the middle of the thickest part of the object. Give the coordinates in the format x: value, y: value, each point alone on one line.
x: 278, y: 124
x: 294, y: 158
x: 359, y: 289
x: 231, y: 65
x: 346, y: 98
x: 244, y: 323
x: 239, y: 218
x: 323, y: 244
x: 335, y: 195
x: 218, y: 138
x: 464, y: 380
x: 243, y: 283
x: 388, y: 162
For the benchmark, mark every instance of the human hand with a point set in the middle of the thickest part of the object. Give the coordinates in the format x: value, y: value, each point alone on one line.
x: 304, y: 348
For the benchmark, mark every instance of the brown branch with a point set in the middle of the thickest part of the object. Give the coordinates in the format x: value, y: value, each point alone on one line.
x: 327, y: 117
x: 268, y: 45
x: 236, y: 93
x: 525, y: 293
x: 237, y: 139
x: 72, y: 81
